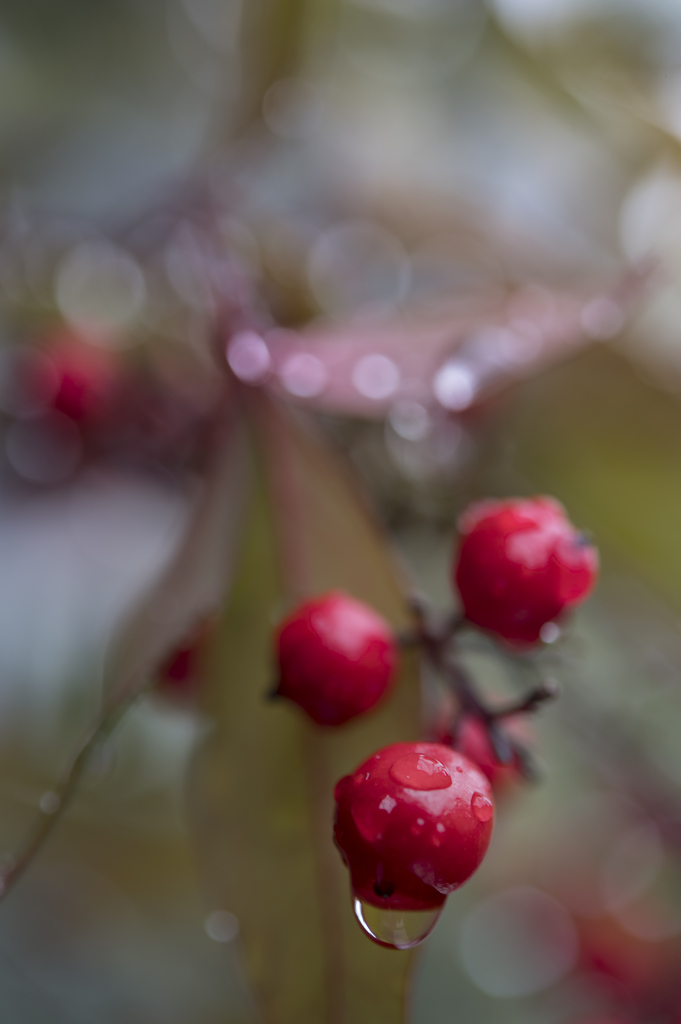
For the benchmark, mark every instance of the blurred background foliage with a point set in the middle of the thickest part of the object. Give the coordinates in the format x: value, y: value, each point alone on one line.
x: 363, y: 162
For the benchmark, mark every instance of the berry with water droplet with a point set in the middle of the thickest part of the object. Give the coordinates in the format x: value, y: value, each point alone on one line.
x: 521, y: 564
x: 336, y: 658
x: 411, y: 827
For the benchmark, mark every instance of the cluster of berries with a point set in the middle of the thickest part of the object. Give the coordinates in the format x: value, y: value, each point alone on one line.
x: 413, y: 822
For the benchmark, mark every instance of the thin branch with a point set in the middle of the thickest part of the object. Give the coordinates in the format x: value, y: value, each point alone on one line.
x: 54, y: 802
x: 547, y: 689
x: 525, y: 762
x: 436, y: 643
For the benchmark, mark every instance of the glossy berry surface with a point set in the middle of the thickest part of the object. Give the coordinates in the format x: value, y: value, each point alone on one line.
x: 521, y: 564
x: 336, y: 658
x: 413, y: 822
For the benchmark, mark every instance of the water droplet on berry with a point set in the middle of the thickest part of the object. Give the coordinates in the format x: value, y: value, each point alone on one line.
x: 549, y: 632
x: 482, y: 807
x: 420, y: 771
x: 396, y: 929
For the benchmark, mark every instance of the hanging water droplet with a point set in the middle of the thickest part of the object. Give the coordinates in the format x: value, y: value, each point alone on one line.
x: 482, y: 807
x: 396, y: 929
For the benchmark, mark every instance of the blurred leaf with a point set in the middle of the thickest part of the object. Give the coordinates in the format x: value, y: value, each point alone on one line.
x: 538, y: 72
x: 271, y: 32
x: 262, y: 788
x: 193, y: 584
x: 496, y: 340
x: 609, y: 444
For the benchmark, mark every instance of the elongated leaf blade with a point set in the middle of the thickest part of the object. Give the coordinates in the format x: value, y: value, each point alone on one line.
x: 196, y: 578
x: 262, y: 791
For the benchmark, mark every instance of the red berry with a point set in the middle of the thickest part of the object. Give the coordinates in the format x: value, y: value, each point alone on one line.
x: 412, y: 824
x: 336, y: 658
x: 86, y: 379
x: 627, y: 964
x: 71, y: 374
x: 179, y: 676
x: 521, y: 564
x: 472, y: 739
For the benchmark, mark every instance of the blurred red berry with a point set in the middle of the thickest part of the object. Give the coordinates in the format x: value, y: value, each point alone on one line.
x: 631, y: 967
x: 472, y: 739
x: 521, y: 564
x: 336, y: 658
x: 86, y: 378
x: 179, y: 676
x: 413, y: 822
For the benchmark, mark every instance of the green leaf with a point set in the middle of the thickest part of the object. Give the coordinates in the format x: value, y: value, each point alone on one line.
x: 262, y: 789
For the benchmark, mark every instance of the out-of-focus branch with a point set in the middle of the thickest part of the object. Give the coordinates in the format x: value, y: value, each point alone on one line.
x: 270, y: 38
x: 53, y: 802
